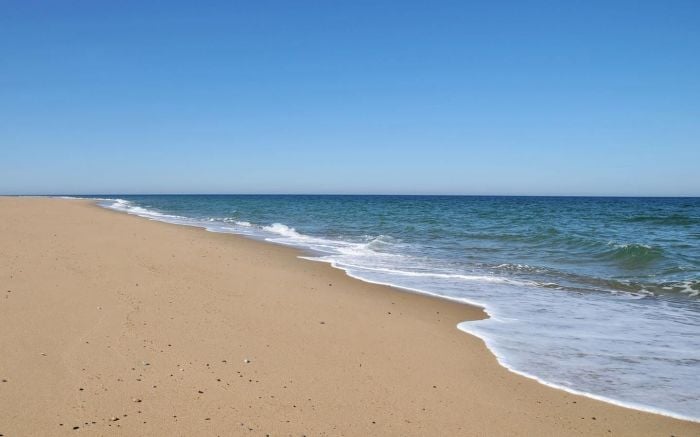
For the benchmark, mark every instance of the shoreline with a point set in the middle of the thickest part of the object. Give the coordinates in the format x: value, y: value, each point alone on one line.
x: 414, y: 356
x: 305, y: 254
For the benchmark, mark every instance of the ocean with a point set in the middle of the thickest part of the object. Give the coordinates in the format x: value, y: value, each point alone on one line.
x: 597, y: 296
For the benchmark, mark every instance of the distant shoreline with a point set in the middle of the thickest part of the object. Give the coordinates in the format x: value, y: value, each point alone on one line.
x: 548, y: 196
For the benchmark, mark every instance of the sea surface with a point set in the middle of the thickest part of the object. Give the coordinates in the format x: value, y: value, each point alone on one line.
x: 599, y: 296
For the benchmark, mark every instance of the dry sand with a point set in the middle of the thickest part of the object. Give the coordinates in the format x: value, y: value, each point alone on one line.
x: 114, y: 325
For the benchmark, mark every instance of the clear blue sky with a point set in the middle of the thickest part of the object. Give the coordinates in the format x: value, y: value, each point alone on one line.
x: 556, y: 97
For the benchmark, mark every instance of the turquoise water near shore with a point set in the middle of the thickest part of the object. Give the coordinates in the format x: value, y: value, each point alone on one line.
x: 599, y: 296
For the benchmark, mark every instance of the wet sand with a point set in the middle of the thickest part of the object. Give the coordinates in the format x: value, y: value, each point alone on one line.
x: 116, y: 325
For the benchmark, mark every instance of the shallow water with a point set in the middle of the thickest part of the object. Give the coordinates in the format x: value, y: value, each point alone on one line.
x: 594, y: 295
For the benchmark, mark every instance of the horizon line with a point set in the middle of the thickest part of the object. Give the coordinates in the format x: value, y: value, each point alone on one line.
x: 618, y: 196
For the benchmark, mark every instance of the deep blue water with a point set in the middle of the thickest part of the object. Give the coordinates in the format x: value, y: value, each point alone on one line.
x: 594, y: 295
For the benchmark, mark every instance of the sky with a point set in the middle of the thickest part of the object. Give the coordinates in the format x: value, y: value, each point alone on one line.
x: 364, y: 97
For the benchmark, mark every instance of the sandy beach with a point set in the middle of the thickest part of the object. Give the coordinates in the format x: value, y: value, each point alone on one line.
x: 116, y: 325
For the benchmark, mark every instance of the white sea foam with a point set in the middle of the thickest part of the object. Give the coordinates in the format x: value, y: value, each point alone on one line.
x: 691, y: 288
x: 129, y: 207
x: 471, y: 278
x: 283, y: 230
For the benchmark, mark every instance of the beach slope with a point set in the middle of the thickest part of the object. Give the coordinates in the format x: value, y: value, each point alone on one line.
x: 116, y: 325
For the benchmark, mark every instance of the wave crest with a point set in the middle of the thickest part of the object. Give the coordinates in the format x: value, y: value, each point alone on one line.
x: 283, y: 230
x: 633, y: 255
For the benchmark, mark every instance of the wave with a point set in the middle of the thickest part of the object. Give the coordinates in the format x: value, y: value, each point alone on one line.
x: 559, y: 280
x: 469, y: 278
x: 283, y: 230
x: 232, y: 220
x: 129, y: 207
x: 690, y: 288
x: 632, y: 255
x: 381, y: 242
x: 670, y: 220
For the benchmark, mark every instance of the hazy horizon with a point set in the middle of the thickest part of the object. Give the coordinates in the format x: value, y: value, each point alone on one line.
x: 113, y: 194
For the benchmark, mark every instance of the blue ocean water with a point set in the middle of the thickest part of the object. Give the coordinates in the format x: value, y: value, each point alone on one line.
x: 599, y: 296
